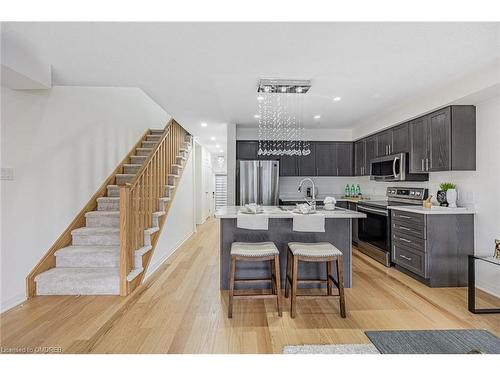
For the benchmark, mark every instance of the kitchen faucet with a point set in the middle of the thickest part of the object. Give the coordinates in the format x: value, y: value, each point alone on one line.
x: 312, y: 202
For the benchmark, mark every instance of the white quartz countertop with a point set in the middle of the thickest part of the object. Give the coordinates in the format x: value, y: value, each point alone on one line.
x: 274, y: 212
x: 435, y: 210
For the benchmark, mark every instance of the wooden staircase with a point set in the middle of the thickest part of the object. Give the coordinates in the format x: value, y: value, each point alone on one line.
x: 108, y: 246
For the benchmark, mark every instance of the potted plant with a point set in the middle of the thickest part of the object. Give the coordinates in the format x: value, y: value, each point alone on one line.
x: 447, y: 194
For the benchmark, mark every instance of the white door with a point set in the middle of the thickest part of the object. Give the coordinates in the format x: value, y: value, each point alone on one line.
x: 220, y: 190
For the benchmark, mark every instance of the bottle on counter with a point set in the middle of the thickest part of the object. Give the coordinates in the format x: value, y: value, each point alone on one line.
x: 358, y: 190
x: 347, y: 191
x: 353, y: 191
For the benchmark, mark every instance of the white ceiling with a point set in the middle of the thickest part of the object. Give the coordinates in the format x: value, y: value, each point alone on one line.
x: 208, y: 72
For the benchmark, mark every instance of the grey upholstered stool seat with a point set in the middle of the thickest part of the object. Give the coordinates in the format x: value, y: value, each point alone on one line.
x: 318, y: 249
x: 255, y: 252
x: 254, y: 249
x: 319, y: 252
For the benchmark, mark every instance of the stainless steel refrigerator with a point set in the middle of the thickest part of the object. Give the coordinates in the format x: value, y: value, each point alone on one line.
x: 257, y: 182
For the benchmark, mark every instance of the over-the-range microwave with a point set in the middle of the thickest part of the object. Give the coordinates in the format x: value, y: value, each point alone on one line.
x: 394, y: 167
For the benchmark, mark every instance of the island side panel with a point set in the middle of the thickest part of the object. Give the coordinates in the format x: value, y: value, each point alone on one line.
x: 337, y: 231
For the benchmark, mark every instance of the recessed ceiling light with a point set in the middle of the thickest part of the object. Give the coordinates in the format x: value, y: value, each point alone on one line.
x: 217, y: 146
x: 256, y: 116
x: 212, y: 138
x: 317, y: 117
x: 337, y: 99
x: 260, y: 98
x: 204, y: 124
x: 221, y: 150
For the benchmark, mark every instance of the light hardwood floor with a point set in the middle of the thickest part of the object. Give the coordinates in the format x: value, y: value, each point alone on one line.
x: 181, y: 310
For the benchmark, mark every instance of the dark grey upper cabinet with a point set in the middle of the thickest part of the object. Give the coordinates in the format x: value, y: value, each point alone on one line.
x: 444, y: 140
x: 359, y: 158
x: 419, y: 135
x: 326, y: 159
x: 384, y: 143
x: 247, y: 150
x: 370, y: 152
x: 289, y: 165
x: 343, y: 159
x: 307, y: 164
x: 400, y: 139
x: 439, y: 141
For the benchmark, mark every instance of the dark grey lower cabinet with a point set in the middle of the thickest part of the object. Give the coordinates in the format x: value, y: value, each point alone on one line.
x: 354, y: 207
x: 432, y: 248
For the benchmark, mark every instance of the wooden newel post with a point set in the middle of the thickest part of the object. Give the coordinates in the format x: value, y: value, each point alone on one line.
x: 125, y: 233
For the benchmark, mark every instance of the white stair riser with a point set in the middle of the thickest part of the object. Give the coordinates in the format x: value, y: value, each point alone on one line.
x: 96, y: 239
x: 104, y: 221
x: 92, y: 260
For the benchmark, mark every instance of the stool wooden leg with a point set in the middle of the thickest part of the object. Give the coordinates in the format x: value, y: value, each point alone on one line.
x: 273, y: 275
x: 278, y: 282
x: 329, y: 274
x: 340, y: 279
x: 231, y: 287
x: 288, y: 271
x: 295, y: 273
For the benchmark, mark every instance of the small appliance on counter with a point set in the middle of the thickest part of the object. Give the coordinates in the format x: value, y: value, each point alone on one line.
x: 374, y: 232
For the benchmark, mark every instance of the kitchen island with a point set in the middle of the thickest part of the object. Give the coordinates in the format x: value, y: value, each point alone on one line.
x: 280, y: 231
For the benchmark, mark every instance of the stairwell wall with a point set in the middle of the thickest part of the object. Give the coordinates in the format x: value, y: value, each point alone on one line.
x: 62, y: 144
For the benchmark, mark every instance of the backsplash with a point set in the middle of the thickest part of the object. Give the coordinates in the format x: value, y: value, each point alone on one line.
x: 466, y: 186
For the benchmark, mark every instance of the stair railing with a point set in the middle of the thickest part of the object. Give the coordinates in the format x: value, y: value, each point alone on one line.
x: 140, y: 198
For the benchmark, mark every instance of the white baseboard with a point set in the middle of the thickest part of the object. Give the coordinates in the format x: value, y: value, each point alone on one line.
x: 153, y: 267
x: 12, y: 302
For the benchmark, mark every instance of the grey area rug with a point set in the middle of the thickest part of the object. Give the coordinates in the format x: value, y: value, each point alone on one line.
x: 331, y: 349
x: 459, y: 341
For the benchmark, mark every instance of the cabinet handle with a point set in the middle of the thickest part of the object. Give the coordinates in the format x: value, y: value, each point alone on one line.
x: 404, y: 257
x: 405, y: 240
x: 400, y: 227
x: 389, y: 149
x: 317, y: 171
x: 337, y: 171
x: 427, y: 164
x: 402, y: 216
x: 423, y: 169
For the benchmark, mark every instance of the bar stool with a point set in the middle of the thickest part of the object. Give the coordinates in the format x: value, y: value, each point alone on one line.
x: 255, y: 252
x: 314, y: 252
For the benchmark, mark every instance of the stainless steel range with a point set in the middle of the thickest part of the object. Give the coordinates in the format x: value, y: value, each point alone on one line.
x: 374, y: 232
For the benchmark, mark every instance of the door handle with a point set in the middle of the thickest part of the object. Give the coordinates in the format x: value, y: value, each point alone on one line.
x: 404, y: 257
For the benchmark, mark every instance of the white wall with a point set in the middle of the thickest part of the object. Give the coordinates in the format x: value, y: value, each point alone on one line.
x: 179, y: 225
x: 62, y: 144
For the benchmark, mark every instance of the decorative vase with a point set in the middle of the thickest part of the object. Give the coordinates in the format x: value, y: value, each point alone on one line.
x: 441, y: 198
x: 451, y: 197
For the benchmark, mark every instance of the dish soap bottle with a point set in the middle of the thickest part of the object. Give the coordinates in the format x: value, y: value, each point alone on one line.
x: 358, y: 190
x: 347, y: 192
x: 353, y: 191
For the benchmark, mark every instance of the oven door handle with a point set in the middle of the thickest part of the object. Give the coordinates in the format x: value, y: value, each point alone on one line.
x: 372, y: 210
